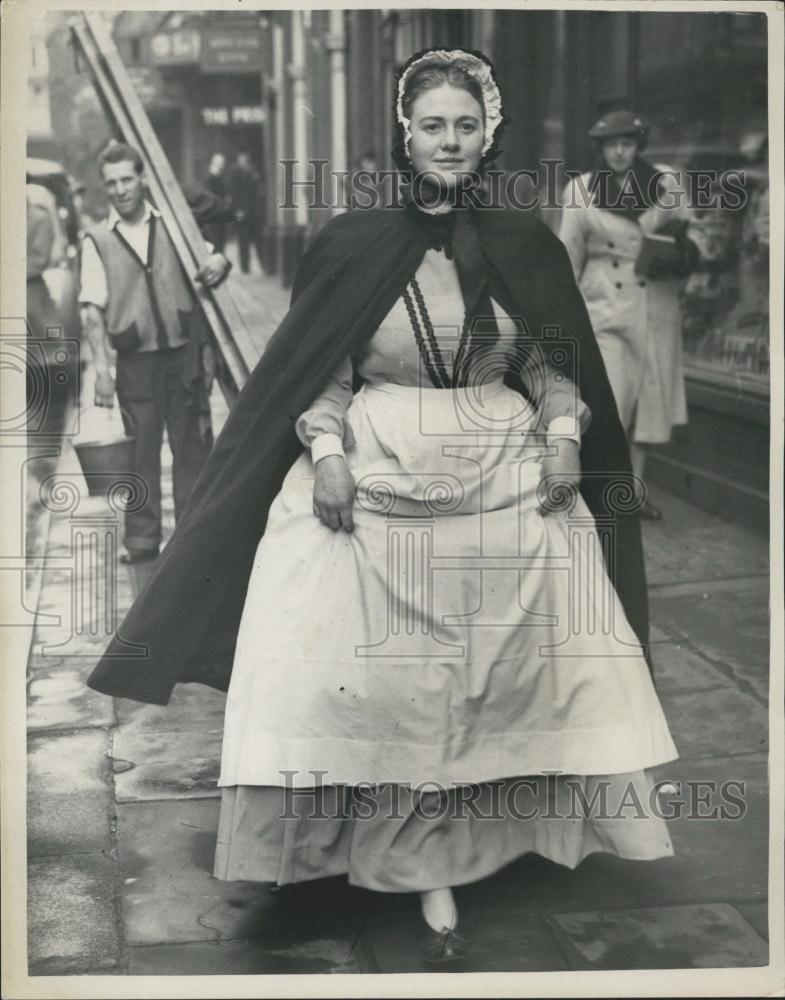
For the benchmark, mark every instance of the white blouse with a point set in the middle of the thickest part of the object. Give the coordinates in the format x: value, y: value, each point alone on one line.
x: 392, y: 355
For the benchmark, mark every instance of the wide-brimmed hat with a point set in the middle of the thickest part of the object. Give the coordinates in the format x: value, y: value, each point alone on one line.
x: 620, y: 122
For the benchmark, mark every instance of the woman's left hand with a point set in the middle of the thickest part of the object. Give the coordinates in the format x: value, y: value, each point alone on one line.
x: 561, y: 477
x: 333, y: 493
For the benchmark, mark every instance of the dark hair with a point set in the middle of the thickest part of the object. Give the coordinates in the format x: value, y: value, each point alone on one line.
x: 435, y: 73
x: 120, y: 152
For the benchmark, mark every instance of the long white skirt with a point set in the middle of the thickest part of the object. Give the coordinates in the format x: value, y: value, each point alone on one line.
x: 455, y: 637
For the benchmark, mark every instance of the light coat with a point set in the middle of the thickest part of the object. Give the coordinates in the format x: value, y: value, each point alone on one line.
x: 637, y: 321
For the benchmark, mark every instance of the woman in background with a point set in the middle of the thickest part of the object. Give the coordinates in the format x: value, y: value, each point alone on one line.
x: 636, y: 316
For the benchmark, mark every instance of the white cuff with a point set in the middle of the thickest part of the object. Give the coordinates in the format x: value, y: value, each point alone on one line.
x: 564, y: 427
x: 326, y: 444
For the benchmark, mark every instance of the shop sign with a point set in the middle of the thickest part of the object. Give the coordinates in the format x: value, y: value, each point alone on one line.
x: 243, y: 114
x: 231, y: 51
x: 176, y: 48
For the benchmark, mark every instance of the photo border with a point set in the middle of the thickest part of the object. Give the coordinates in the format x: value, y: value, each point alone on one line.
x: 770, y: 980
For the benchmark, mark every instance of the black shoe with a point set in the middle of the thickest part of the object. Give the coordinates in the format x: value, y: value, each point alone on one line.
x: 443, y: 947
x: 138, y: 556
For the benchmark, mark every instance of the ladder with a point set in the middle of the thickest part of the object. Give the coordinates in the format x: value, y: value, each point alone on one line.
x: 127, y: 117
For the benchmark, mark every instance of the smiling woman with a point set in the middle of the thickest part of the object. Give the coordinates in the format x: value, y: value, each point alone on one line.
x: 446, y: 126
x: 447, y: 120
x: 339, y: 699
x: 634, y: 303
x: 376, y: 532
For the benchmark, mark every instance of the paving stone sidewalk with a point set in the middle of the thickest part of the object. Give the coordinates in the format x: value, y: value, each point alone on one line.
x: 123, y: 805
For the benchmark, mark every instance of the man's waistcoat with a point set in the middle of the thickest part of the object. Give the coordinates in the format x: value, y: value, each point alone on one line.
x: 149, y: 306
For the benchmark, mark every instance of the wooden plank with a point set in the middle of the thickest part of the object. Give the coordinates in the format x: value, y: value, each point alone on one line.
x: 119, y: 115
x: 182, y: 217
x: 216, y: 303
x: 111, y: 80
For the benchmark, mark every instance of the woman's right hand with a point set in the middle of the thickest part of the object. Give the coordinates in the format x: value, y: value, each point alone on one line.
x: 333, y: 493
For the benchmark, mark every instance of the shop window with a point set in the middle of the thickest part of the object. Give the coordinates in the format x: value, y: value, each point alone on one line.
x: 725, y: 302
x: 709, y: 113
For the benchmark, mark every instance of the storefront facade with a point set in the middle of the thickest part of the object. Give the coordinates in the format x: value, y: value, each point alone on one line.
x: 325, y: 92
x: 701, y: 81
x: 200, y: 76
x: 293, y: 87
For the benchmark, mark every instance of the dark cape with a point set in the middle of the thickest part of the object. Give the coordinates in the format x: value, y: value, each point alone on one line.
x: 183, y: 626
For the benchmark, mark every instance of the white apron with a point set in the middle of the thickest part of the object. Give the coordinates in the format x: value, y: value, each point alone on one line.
x: 456, y: 636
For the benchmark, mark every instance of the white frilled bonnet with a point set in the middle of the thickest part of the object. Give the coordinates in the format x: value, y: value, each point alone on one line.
x: 473, y: 63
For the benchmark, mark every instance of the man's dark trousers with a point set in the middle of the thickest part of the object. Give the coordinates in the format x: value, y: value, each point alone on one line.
x: 249, y: 232
x: 153, y: 393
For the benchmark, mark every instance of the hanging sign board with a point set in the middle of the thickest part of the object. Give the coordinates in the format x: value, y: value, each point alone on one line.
x: 175, y: 48
x: 231, y: 51
x: 251, y: 114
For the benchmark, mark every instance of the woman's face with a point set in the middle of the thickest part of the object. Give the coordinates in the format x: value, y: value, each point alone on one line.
x: 619, y: 153
x: 447, y: 133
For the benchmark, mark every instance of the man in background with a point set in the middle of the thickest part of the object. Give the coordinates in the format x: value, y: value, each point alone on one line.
x: 245, y: 192
x: 84, y: 220
x: 215, y: 183
x: 137, y: 301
